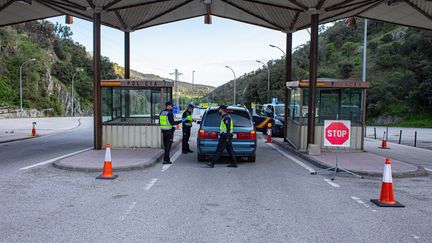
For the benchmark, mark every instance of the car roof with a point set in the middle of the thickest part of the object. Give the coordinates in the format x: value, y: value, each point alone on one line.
x: 231, y: 108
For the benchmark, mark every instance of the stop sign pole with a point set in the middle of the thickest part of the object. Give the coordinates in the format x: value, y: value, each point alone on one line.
x: 337, y: 133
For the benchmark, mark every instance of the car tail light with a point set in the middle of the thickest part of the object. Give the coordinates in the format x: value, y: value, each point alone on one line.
x: 201, y: 133
x: 211, y: 135
x: 207, y: 135
x: 247, y: 135
x: 253, y: 135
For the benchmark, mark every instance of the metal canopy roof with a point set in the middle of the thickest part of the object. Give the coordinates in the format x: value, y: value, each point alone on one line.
x: 283, y: 15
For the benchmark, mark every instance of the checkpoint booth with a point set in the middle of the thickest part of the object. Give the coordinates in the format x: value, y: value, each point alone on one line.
x: 335, y: 100
x: 130, y: 112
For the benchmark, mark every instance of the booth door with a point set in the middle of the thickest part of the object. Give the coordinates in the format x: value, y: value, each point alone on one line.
x: 156, y: 106
x: 329, y: 103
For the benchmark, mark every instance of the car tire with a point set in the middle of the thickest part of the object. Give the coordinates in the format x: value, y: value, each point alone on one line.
x: 251, y: 159
x: 201, y: 157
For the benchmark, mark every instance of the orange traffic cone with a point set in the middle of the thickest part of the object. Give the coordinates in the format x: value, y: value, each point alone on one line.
x: 384, y: 144
x: 269, y: 132
x: 107, y: 172
x: 387, y: 195
x: 34, y: 130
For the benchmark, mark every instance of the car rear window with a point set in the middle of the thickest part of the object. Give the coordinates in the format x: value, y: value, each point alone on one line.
x: 240, y: 118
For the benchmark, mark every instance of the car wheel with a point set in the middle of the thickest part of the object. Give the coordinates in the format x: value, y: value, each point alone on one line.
x: 251, y: 159
x: 201, y: 157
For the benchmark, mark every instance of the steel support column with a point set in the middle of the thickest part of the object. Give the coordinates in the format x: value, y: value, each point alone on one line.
x: 97, y: 99
x: 127, y: 71
x: 127, y: 55
x: 288, y: 77
x: 313, y: 69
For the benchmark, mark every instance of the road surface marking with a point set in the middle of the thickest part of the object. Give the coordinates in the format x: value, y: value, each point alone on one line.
x: 292, y: 158
x: 55, y: 159
x: 128, y: 210
x: 358, y: 200
x: 416, y: 237
x: 331, y: 183
x: 151, y: 184
x: 173, y: 159
x: 428, y: 169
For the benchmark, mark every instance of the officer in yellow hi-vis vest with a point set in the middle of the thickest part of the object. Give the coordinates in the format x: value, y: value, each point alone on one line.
x: 167, y: 123
x: 226, y: 129
x: 187, y: 125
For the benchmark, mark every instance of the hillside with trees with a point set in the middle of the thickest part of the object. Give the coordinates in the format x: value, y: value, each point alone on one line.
x: 47, y: 81
x: 399, y: 68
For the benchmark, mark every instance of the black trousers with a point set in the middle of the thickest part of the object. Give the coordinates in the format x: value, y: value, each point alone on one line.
x: 224, y: 143
x: 168, y: 137
x: 185, y: 140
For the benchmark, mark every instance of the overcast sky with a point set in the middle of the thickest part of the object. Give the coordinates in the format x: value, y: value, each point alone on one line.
x: 191, y: 45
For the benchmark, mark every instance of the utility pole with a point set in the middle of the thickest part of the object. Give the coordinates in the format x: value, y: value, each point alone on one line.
x: 176, y: 74
x: 364, y: 51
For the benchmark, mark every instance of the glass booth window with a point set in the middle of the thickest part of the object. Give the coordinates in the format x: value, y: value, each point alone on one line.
x: 294, y: 109
x: 331, y: 104
x: 133, y: 106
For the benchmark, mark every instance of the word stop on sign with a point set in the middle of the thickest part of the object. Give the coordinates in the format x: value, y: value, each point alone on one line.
x: 337, y: 133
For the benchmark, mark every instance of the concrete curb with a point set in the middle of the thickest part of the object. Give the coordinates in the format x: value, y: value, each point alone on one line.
x: 150, y: 163
x: 20, y: 139
x: 419, y: 172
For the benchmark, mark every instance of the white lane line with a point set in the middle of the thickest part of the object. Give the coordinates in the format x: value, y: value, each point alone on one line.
x: 173, y: 159
x: 292, y: 158
x: 416, y: 237
x: 428, y: 169
x: 151, y: 184
x: 128, y: 211
x: 358, y: 200
x: 55, y: 159
x: 331, y: 183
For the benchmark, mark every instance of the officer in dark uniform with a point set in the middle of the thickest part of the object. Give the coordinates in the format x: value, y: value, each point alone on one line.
x: 226, y: 129
x: 167, y: 123
x: 187, y: 125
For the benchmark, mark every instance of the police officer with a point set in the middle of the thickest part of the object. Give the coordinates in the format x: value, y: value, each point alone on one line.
x: 226, y: 129
x: 187, y: 125
x: 167, y: 123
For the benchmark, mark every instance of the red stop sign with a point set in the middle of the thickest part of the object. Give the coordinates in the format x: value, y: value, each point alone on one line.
x: 337, y: 133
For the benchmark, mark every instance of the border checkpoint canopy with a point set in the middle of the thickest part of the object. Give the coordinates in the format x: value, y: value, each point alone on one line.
x: 282, y: 15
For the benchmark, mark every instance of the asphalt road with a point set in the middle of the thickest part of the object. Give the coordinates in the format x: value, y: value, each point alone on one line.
x: 272, y: 200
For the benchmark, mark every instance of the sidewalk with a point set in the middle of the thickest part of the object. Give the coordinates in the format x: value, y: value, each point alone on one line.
x: 412, y: 155
x: 122, y: 159
x: 20, y: 129
x: 364, y: 163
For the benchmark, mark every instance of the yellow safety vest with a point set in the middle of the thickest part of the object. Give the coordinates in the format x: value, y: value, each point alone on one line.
x: 189, y: 120
x: 223, y: 127
x: 164, y: 123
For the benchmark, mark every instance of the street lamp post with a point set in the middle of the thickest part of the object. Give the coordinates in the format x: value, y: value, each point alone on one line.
x: 234, y: 83
x: 21, y: 95
x: 73, y: 90
x: 268, y: 79
x: 278, y: 48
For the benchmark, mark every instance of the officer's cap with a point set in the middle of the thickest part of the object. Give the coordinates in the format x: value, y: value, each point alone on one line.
x: 168, y: 103
x: 223, y: 107
x: 190, y: 106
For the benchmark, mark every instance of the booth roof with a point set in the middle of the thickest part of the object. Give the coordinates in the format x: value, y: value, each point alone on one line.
x: 330, y: 83
x: 283, y: 15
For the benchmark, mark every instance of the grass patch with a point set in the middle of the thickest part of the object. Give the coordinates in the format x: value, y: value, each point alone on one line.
x: 423, y: 120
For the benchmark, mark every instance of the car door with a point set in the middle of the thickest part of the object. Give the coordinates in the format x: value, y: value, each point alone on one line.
x: 261, y: 117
